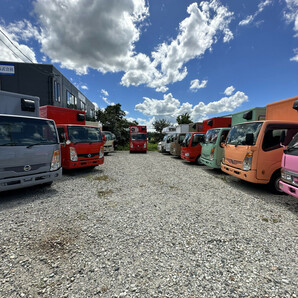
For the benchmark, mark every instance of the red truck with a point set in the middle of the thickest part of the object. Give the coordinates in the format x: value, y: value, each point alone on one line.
x: 138, y: 138
x: 191, y: 147
x: 81, y: 145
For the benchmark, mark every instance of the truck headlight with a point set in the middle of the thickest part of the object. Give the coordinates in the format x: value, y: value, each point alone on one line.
x: 211, y: 157
x: 223, y: 160
x: 285, y: 175
x: 187, y: 154
x: 55, y: 163
x: 101, y: 152
x: 145, y: 145
x: 246, y: 166
x: 73, y: 154
x: 131, y: 145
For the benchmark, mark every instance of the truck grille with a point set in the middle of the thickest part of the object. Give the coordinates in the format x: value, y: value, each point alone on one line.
x: 88, y: 155
x: 233, y: 161
x: 20, y: 169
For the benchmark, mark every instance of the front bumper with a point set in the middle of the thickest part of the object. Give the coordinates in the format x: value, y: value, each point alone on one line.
x: 289, y: 189
x: 249, y: 176
x: 29, y: 180
x: 83, y: 163
x: 108, y: 149
x: 209, y: 163
x: 188, y: 158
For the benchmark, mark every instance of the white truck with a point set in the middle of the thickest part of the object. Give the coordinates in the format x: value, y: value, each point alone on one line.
x: 29, y: 145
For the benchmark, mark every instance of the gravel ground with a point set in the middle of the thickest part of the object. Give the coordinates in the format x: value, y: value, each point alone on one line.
x: 148, y: 225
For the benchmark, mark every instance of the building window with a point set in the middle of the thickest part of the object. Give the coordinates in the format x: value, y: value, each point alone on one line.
x: 83, y: 106
x: 71, y: 100
x: 57, y: 94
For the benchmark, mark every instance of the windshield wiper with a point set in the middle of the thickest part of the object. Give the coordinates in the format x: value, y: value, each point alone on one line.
x: 9, y: 144
x: 39, y: 143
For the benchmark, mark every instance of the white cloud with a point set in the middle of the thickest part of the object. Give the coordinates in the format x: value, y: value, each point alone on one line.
x: 162, y: 89
x: 104, y: 92
x: 170, y: 107
x: 101, y: 34
x: 295, y: 58
x: 110, y: 103
x: 197, y: 33
x: 195, y: 84
x: 249, y: 19
x: 103, y: 37
x: 291, y: 15
x: 229, y: 90
x: 84, y: 87
x: 12, y: 47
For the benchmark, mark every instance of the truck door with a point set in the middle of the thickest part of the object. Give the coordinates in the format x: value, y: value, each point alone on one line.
x: 270, y: 154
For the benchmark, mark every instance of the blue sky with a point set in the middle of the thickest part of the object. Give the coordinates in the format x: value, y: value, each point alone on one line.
x: 162, y: 58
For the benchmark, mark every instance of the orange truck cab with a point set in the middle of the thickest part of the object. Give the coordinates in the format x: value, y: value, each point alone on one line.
x: 191, y: 147
x: 253, y: 150
x: 81, y: 145
x: 138, y: 138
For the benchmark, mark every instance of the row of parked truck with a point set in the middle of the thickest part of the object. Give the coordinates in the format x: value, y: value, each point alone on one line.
x: 259, y: 145
x: 37, y: 142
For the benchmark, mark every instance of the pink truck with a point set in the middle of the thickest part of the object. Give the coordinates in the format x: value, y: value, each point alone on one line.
x: 289, y: 166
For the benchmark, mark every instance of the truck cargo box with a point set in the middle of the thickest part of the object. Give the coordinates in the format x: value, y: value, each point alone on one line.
x: 19, y: 104
x: 63, y: 115
x: 254, y: 114
x: 282, y: 110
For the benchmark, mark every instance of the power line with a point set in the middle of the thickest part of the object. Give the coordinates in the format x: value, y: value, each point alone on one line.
x: 16, y: 47
x: 15, y: 54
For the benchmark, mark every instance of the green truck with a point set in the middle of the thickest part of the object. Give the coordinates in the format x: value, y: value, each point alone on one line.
x: 212, y: 151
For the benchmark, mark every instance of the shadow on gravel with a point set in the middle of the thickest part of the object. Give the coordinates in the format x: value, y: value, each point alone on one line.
x: 82, y: 172
x: 12, y: 198
x: 259, y: 191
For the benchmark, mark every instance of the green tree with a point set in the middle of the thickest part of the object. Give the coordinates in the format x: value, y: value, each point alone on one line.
x: 159, y: 125
x: 184, y: 119
x: 113, y: 120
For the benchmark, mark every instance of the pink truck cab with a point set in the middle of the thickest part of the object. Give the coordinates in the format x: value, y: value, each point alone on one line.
x: 289, y: 166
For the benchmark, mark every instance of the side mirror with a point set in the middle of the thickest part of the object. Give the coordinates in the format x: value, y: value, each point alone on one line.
x: 222, y: 144
x: 105, y: 138
x: 249, y: 139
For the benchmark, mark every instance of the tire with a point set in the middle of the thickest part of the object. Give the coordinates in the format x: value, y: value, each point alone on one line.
x: 274, y: 183
x: 48, y: 184
x: 197, y: 161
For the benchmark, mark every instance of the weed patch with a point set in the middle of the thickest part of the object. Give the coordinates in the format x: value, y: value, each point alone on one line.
x: 103, y: 193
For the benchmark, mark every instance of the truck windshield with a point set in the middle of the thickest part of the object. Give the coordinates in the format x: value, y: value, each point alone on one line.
x: 84, y: 134
x: 238, y: 133
x: 211, y: 136
x: 18, y: 131
x: 108, y: 135
x: 138, y: 137
x: 292, y: 148
x: 186, y: 140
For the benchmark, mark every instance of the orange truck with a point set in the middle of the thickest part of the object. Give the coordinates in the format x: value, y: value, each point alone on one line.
x: 191, y: 145
x: 253, y: 150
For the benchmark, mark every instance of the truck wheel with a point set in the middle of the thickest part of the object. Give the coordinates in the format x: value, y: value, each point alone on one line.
x: 274, y: 183
x: 48, y: 184
x: 197, y: 161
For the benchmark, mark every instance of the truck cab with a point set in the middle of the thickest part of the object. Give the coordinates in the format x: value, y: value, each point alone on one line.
x: 81, y: 145
x: 191, y: 146
x: 138, y: 138
x: 175, y: 147
x: 29, y: 146
x: 253, y: 150
x: 109, y: 145
x: 289, y: 166
x: 212, y: 149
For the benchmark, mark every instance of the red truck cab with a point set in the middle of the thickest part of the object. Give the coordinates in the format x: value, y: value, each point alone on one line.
x: 138, y: 138
x: 81, y: 145
x: 191, y: 147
